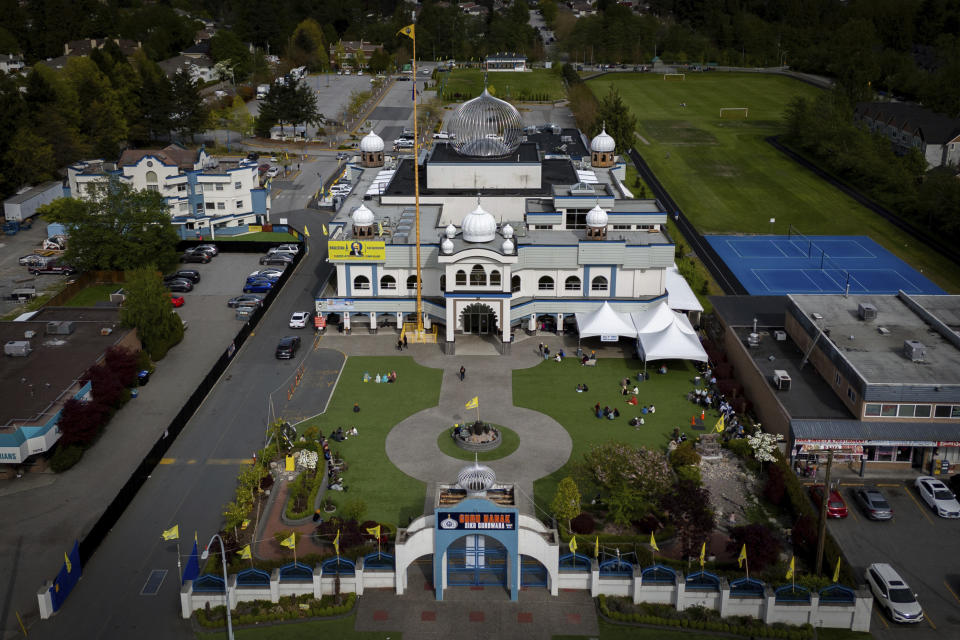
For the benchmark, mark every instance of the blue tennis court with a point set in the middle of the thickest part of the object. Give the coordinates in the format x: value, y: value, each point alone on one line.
x: 776, y: 265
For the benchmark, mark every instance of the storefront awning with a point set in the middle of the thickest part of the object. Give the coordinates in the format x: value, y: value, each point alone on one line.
x: 825, y: 433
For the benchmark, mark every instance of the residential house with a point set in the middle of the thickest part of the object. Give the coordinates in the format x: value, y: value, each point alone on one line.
x: 506, y: 62
x: 200, y: 68
x: 11, y: 63
x: 910, y: 126
x: 200, y: 190
x: 85, y: 46
x: 473, y: 9
x: 350, y: 49
x: 582, y: 9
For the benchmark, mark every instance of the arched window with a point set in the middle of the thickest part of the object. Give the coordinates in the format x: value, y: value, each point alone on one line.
x: 598, y: 284
x: 361, y: 283
x: 152, y: 181
x: 443, y: 282
x: 412, y: 282
x: 478, y: 277
x: 388, y: 282
x: 494, y: 278
x: 515, y: 284
x: 545, y: 283
x: 571, y: 284
x: 461, y: 278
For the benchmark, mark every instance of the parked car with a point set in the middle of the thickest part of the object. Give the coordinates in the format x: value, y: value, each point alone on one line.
x: 269, y: 271
x: 258, y: 286
x: 176, y: 301
x: 269, y: 276
x: 873, y: 503
x: 343, y: 155
x: 277, y: 258
x: 179, y: 284
x: 253, y: 155
x: 938, y: 497
x: 273, y: 172
x: 285, y: 248
x: 208, y: 248
x: 35, y: 260
x: 246, y: 300
x: 55, y: 268
x: 836, y: 507
x: 287, y: 348
x: 893, y: 594
x: 183, y: 274
x: 299, y: 319
x: 195, y: 256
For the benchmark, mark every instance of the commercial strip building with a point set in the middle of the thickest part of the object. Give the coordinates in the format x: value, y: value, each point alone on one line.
x: 201, y: 191
x: 876, y: 376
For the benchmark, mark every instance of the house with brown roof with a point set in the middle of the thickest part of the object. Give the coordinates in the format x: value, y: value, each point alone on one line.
x: 85, y: 46
x: 350, y: 49
x: 910, y: 126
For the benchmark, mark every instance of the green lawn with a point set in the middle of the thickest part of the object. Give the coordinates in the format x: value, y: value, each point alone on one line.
x: 728, y: 179
x: 575, y: 410
x: 510, y: 443
x: 539, y: 84
x: 610, y: 631
x: 339, y: 628
x: 390, y: 495
x: 93, y: 294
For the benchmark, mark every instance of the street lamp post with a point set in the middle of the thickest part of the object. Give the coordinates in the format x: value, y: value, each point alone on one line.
x: 226, y: 590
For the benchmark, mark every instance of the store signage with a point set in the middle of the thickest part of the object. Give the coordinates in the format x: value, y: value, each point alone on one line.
x: 496, y: 520
x: 357, y: 250
x: 609, y: 338
x: 333, y: 304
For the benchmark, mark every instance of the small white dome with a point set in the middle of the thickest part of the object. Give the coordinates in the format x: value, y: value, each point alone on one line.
x: 603, y: 142
x: 507, y: 231
x: 507, y: 247
x: 596, y: 217
x: 447, y: 246
x: 362, y: 217
x: 451, y: 231
x: 479, y: 226
x: 371, y: 142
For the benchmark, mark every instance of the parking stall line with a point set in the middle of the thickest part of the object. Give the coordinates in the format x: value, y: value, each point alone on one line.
x: 952, y: 592
x: 880, y: 617
x: 888, y: 484
x: 922, y: 508
x: 929, y: 621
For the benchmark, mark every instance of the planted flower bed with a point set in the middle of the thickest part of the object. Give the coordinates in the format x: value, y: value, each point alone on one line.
x: 288, y: 608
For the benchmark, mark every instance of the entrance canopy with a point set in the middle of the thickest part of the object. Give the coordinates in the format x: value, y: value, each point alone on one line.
x: 680, y: 296
x: 605, y: 322
x: 663, y: 334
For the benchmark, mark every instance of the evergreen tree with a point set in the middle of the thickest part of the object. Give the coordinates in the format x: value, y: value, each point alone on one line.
x: 614, y: 114
x: 190, y: 114
x: 147, y: 308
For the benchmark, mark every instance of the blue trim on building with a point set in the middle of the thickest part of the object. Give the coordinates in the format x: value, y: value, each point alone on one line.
x: 374, y: 281
x: 477, y: 295
x: 586, y: 280
x: 349, y: 281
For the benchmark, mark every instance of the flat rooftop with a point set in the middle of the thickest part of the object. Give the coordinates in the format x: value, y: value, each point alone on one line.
x: 875, y: 348
x: 444, y: 152
x: 553, y: 172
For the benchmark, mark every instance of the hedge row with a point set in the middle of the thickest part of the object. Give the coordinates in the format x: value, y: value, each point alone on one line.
x: 215, y: 617
x: 758, y: 630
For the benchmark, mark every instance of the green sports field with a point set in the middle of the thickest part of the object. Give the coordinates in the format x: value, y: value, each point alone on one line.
x: 539, y: 84
x: 728, y: 179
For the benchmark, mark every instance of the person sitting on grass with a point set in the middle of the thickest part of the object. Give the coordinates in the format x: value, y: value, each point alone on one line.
x: 613, y: 414
x: 579, y: 388
x: 356, y: 407
x: 633, y: 401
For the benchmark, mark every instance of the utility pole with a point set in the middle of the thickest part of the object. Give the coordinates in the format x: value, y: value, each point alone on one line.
x: 823, y: 512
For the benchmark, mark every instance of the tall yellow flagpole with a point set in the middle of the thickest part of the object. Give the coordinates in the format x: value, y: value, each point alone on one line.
x: 410, y: 32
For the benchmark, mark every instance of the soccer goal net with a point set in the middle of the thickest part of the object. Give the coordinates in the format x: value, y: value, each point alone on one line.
x: 674, y: 76
x: 734, y: 113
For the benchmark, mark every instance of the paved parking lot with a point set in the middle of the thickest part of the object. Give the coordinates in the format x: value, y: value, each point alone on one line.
x: 12, y: 274
x: 921, y: 546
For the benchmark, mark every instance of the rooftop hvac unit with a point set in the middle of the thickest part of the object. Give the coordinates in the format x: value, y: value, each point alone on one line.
x: 781, y: 380
x: 17, y: 348
x: 780, y: 335
x: 61, y: 328
x: 29, y: 334
x: 914, y: 350
x: 867, y: 311
x: 753, y: 339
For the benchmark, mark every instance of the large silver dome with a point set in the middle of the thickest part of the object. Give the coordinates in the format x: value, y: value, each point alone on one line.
x: 486, y: 127
x: 476, y: 478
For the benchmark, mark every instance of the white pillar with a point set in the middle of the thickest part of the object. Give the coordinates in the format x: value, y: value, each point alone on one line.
x: 45, y: 601
x: 186, y: 600
x: 373, y: 321
x: 399, y: 320
x: 532, y: 325
x: 427, y: 322
x: 346, y: 321
x: 358, y: 578
x: 275, y: 585
x: 451, y: 320
x: 317, y: 581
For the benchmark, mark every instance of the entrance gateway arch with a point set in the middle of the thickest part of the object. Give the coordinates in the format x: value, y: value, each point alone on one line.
x: 477, y: 536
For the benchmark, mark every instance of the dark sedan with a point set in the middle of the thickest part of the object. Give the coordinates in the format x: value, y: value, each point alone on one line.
x: 287, y: 348
x: 873, y: 503
x: 179, y: 285
x: 277, y: 259
x: 56, y: 269
x: 246, y: 300
x: 195, y: 256
x: 258, y: 286
x: 183, y: 274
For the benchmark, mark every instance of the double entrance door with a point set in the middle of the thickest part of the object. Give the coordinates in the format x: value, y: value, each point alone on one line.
x: 479, y: 318
x: 476, y: 560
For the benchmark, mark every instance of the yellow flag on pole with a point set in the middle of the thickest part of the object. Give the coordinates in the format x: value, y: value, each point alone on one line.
x: 306, y: 231
x: 173, y: 533
x: 325, y: 231
x: 291, y: 542
x: 742, y: 557
x: 653, y: 542
x: 703, y: 554
x: 245, y: 553
x: 336, y: 543
x: 596, y: 547
x: 473, y: 403
x: 836, y: 571
x: 66, y: 561
x: 719, y: 426
x: 374, y: 531
x: 791, y: 568
x: 408, y: 31
x: 245, y: 524
x: 573, y: 544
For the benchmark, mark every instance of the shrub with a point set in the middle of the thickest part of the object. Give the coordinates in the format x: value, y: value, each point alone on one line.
x: 583, y: 524
x: 80, y: 421
x: 354, y: 509
x: 123, y: 363
x: 763, y: 547
x: 775, y: 487
x: 104, y: 385
x: 684, y: 455
x: 65, y: 457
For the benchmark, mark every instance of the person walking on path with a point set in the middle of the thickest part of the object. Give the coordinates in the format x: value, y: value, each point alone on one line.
x: 404, y: 341
x: 463, y: 373
x: 540, y: 348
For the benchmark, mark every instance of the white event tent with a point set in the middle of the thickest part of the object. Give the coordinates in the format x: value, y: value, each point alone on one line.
x: 605, y: 322
x: 663, y: 334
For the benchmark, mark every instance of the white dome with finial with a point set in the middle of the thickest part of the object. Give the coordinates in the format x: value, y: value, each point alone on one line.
x: 447, y: 246
x: 596, y: 217
x: 603, y: 142
x: 507, y: 231
x: 371, y: 143
x: 507, y: 247
x: 479, y: 226
x: 451, y: 231
x: 476, y: 478
x: 363, y: 217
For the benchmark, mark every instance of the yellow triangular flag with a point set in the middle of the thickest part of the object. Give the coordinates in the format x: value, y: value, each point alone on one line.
x: 325, y: 231
x: 245, y: 524
x: 792, y: 566
x: 291, y: 542
x: 306, y: 231
x: 836, y: 571
x: 473, y: 403
x: 336, y: 543
x: 380, y: 229
x: 653, y: 542
x: 703, y: 554
x: 66, y: 561
x: 573, y: 544
x: 245, y: 553
x: 173, y: 533
x: 408, y: 31
x: 742, y: 557
x: 374, y: 531
x: 596, y: 547
x: 719, y: 425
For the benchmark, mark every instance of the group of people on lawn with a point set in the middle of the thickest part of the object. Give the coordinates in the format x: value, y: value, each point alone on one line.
x: 632, y: 400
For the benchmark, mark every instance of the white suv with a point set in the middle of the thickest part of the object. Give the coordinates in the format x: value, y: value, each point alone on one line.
x: 893, y: 593
x: 938, y: 497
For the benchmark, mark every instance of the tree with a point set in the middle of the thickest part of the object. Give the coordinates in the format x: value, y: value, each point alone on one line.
x: 80, y: 421
x: 566, y: 502
x: 155, y: 98
x: 116, y: 227
x: 764, y: 445
x: 29, y: 158
x: 148, y: 309
x: 190, y: 114
x: 225, y: 46
x: 614, y: 114
x: 763, y: 547
x: 630, y: 478
x: 689, y: 508
x: 308, y: 46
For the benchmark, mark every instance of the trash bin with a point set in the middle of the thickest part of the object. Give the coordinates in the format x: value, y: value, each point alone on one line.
x: 134, y: 392
x: 143, y: 377
x: 579, y: 353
